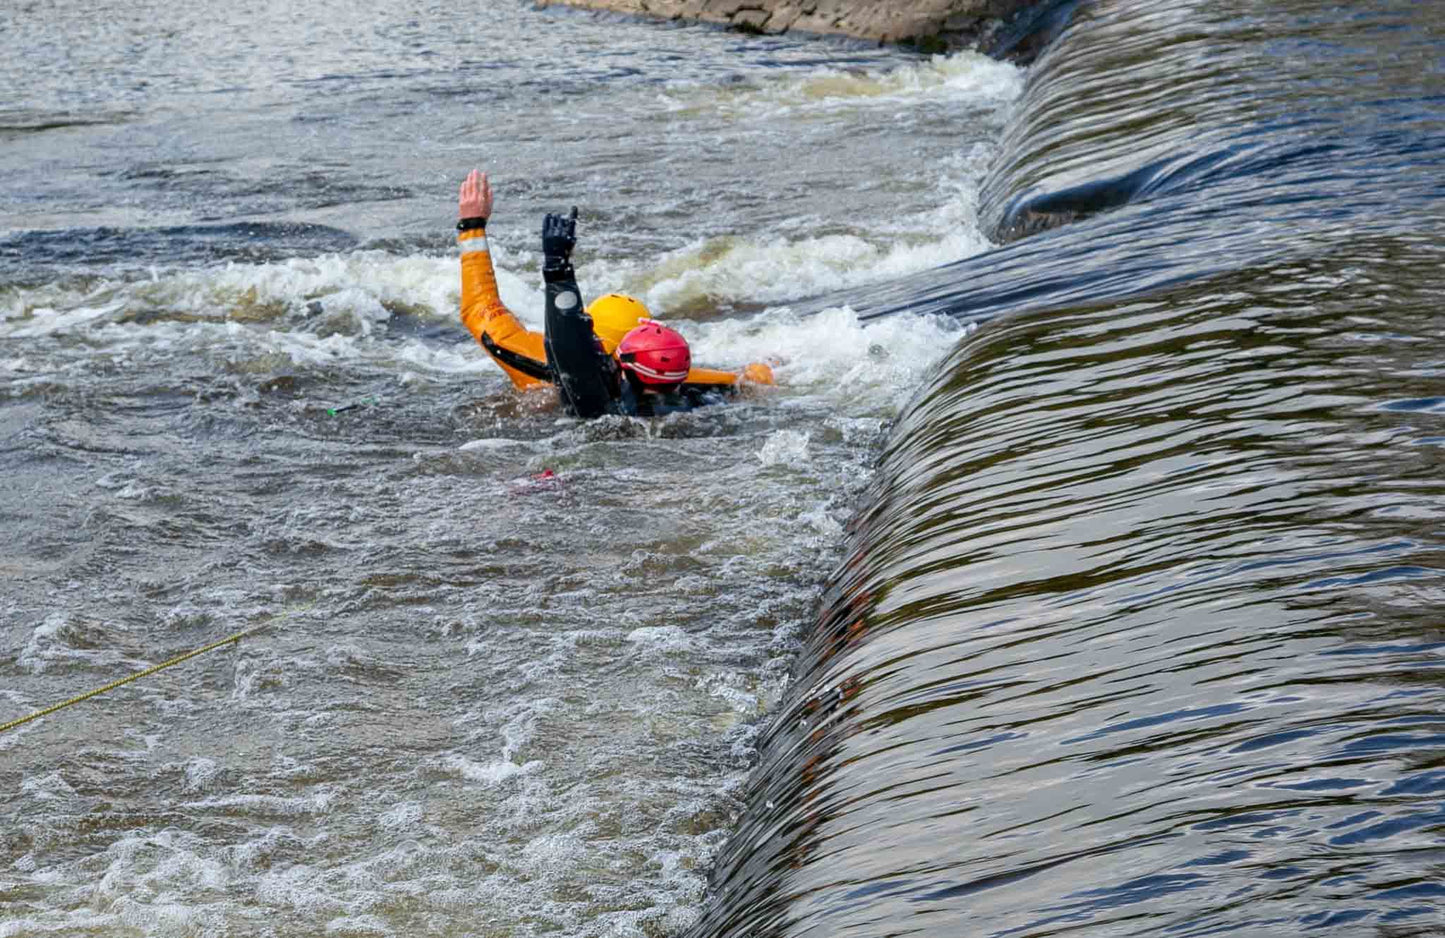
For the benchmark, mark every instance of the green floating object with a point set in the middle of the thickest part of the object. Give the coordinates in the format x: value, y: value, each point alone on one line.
x: 333, y: 411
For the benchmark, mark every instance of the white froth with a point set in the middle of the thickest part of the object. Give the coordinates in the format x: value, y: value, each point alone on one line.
x: 489, y: 773
x: 48, y: 645
x: 81, y: 921
x: 750, y: 270
x: 11, y: 739
x: 352, y: 294
x: 967, y: 75
x: 357, y: 925
x: 243, y: 311
x: 200, y: 773
x: 50, y: 787
x: 300, y: 887
x: 785, y: 448
x: 661, y: 638
x: 268, y: 805
x: 554, y: 852
x: 48, y: 321
x: 401, y: 816
x: 492, y: 444
x: 832, y: 353
x: 776, y: 268
x: 825, y: 521
x: 729, y: 688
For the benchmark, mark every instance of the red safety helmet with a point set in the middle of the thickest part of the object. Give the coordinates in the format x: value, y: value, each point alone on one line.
x: 654, y: 354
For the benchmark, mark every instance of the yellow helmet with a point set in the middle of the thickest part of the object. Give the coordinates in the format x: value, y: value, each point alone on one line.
x: 613, y: 316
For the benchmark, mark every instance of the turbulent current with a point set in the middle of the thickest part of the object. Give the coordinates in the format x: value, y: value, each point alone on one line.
x: 1081, y: 575
x: 513, y: 667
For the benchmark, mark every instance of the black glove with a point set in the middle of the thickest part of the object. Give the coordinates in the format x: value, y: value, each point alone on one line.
x: 559, y: 236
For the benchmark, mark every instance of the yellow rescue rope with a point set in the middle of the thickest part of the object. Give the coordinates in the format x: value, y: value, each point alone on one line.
x: 135, y: 677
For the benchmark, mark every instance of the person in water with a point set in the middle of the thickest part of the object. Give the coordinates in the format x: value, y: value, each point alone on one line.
x: 640, y: 372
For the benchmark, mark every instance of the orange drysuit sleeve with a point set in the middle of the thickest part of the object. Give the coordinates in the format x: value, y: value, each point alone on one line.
x: 715, y: 379
x: 518, y: 350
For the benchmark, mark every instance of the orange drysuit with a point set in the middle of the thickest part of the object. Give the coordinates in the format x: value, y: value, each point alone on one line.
x: 519, y: 351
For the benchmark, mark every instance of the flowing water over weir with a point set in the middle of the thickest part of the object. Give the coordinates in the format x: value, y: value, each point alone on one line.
x: 1141, y: 629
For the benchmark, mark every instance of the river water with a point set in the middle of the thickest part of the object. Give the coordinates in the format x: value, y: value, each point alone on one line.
x: 1140, y: 631
x: 1088, y: 584
x: 487, y: 700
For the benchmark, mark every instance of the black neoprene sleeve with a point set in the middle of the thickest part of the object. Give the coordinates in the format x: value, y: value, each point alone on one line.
x: 586, y: 376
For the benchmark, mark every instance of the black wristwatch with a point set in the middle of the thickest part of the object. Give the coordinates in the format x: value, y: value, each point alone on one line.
x: 468, y: 224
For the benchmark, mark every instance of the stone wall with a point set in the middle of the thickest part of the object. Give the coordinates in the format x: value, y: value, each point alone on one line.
x: 931, y: 25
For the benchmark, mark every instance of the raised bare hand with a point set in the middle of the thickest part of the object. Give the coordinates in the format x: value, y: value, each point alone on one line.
x: 475, y: 198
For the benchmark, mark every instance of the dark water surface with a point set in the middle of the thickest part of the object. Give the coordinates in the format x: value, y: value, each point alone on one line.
x: 1142, y: 630
x: 489, y: 701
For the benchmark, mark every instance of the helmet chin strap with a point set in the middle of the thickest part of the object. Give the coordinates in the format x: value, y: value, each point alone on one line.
x: 664, y: 377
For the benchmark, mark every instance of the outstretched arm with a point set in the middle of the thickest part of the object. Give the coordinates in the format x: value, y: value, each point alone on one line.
x: 727, y: 382
x: 586, y: 375
x: 514, y: 347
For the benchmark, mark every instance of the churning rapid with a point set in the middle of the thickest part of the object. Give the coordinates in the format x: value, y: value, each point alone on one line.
x: 514, y: 666
x: 1140, y: 629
